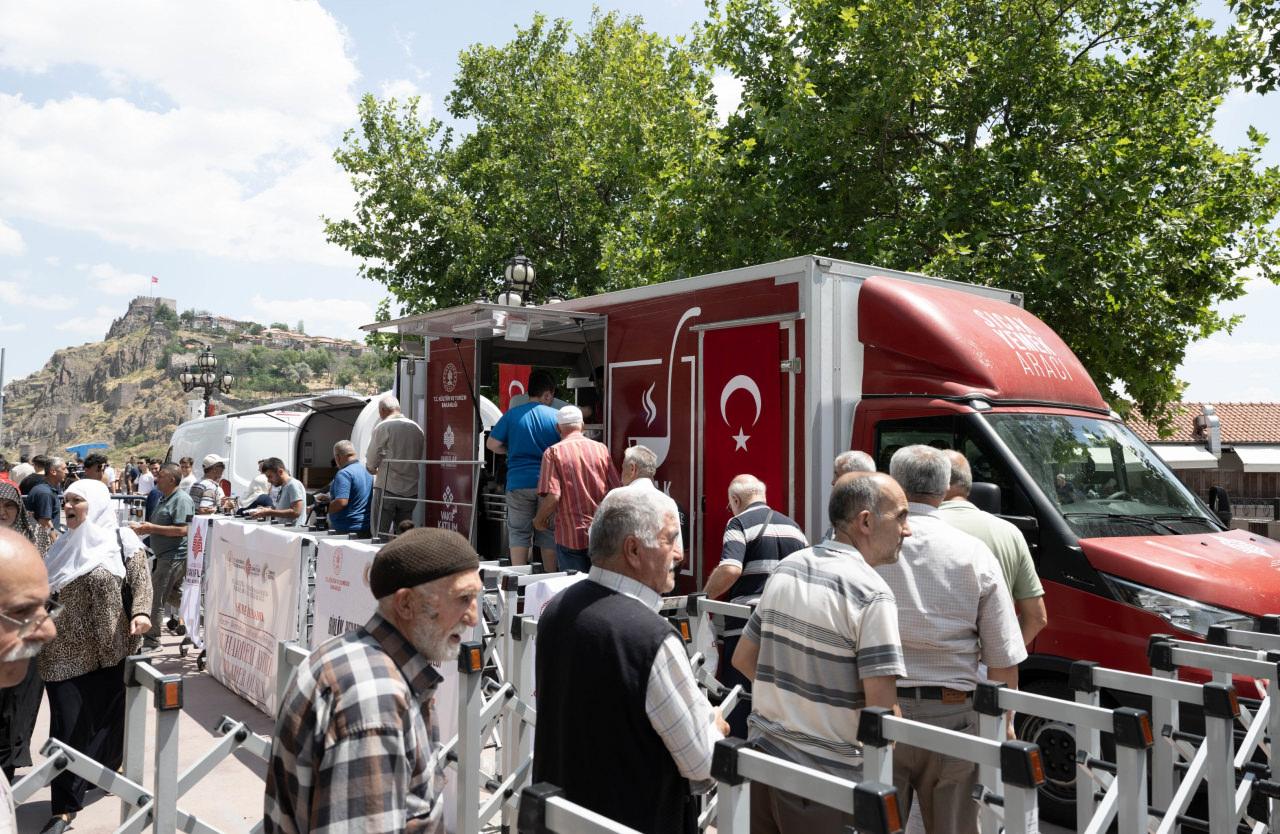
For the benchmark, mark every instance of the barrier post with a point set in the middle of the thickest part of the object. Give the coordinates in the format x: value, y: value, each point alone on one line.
x: 991, y: 721
x: 733, y: 792
x: 1080, y: 679
x: 467, y: 750
x: 1164, y: 713
x: 877, y: 755
x: 1132, y: 732
x: 135, y: 730
x: 1022, y: 775
x: 1220, y: 712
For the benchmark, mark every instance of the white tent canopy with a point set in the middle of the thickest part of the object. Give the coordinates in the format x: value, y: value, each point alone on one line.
x: 1185, y: 456
x: 1259, y: 458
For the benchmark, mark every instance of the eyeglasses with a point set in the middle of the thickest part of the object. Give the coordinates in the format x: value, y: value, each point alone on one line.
x: 30, y: 625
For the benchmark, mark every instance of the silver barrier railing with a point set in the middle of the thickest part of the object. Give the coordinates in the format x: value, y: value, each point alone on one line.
x: 1018, y: 762
x: 735, y: 766
x: 469, y: 502
x: 142, y: 807
x: 1124, y: 782
x: 1227, y: 763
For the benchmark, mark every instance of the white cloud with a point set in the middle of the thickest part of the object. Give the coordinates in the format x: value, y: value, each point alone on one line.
x: 95, y: 325
x: 226, y: 150
x: 1228, y: 351
x: 114, y: 281
x: 401, y: 89
x: 728, y: 92
x: 53, y: 260
x: 16, y: 296
x: 13, y: 328
x: 337, y: 317
x: 11, y: 242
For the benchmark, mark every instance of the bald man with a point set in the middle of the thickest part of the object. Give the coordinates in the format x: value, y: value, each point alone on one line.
x: 26, y: 625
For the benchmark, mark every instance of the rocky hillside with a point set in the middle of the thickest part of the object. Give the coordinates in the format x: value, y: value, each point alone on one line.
x: 124, y: 390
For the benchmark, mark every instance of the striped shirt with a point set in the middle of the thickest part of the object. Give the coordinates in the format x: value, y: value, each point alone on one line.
x: 578, y: 471
x: 758, y: 538
x: 677, y: 710
x: 953, y: 607
x: 355, y: 742
x: 825, y: 622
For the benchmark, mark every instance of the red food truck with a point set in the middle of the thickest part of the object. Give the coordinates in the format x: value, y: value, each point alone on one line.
x: 775, y: 369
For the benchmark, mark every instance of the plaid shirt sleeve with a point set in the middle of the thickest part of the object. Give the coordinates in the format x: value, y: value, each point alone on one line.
x: 679, y: 713
x: 362, y: 783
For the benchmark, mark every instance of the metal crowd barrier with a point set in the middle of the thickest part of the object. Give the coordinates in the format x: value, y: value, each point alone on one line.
x: 142, y: 807
x: 734, y: 766
x: 544, y: 810
x: 1017, y: 762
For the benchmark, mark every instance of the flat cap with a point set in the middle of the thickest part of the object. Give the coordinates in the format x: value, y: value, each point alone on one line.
x: 420, y: 555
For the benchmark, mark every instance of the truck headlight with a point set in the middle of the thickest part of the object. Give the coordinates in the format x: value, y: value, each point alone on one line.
x: 1181, y: 613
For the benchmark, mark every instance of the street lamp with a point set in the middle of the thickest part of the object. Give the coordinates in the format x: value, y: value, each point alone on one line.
x: 206, y: 377
x: 517, y: 288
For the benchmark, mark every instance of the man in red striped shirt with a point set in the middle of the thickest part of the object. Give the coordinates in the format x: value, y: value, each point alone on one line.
x: 576, y: 474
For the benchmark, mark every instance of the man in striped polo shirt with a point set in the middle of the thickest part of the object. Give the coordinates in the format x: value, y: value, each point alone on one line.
x: 756, y: 539
x: 822, y: 644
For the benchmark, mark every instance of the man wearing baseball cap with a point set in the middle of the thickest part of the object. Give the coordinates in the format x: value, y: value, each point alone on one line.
x: 356, y: 744
x: 576, y: 474
x: 207, y: 494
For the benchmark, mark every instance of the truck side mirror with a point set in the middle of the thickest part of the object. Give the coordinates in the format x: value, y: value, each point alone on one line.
x: 985, y: 496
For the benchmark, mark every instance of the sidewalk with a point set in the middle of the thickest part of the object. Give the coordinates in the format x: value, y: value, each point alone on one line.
x: 229, y: 799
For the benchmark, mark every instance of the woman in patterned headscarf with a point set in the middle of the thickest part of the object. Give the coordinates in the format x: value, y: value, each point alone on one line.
x: 19, y: 705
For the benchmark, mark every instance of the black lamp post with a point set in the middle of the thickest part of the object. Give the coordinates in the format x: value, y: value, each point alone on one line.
x: 517, y: 286
x: 206, y: 377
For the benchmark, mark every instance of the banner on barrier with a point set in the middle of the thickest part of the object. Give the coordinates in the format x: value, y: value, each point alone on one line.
x: 189, y: 609
x: 251, y: 602
x: 343, y: 601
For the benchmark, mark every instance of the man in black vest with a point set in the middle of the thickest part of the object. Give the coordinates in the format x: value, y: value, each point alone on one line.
x: 609, y: 666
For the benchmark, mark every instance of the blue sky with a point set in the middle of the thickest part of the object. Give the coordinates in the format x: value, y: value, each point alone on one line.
x: 193, y: 142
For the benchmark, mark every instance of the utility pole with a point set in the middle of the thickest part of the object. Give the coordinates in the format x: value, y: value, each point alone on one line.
x: 2, y: 397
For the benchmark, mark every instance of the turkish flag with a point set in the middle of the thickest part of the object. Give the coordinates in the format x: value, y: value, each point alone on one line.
x: 512, y: 380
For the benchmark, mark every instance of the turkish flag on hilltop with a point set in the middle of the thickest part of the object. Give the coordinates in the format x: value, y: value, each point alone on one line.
x: 155, y: 280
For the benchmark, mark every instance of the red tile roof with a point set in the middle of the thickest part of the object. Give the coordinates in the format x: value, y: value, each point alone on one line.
x: 1239, y: 422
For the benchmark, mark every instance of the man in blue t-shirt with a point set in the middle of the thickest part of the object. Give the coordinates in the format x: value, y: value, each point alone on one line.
x: 349, y: 493
x: 523, y: 434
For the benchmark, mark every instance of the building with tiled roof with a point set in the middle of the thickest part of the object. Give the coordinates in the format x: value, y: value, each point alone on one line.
x: 1240, y: 453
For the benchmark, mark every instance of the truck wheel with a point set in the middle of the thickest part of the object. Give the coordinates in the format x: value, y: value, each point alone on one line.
x: 1057, y: 753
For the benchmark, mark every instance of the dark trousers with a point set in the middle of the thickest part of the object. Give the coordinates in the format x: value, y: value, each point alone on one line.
x: 731, y: 677
x: 86, y: 713
x: 572, y: 558
x: 19, y: 706
x: 166, y: 580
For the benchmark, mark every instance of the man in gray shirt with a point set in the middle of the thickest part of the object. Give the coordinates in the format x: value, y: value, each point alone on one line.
x: 168, y: 531
x: 395, y: 438
x: 290, y: 502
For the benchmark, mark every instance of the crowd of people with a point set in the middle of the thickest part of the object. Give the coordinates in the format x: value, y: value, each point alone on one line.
x: 911, y: 598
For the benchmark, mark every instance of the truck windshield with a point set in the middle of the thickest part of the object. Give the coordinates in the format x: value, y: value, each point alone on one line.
x: 1102, y: 478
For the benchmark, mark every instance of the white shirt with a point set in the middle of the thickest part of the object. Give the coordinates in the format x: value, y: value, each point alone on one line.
x: 953, y: 607
x: 186, y: 483
x: 110, y: 473
x: 146, y: 483
x: 396, y: 438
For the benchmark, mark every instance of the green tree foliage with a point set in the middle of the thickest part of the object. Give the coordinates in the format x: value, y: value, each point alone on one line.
x: 165, y: 314
x: 589, y: 151
x: 1061, y: 149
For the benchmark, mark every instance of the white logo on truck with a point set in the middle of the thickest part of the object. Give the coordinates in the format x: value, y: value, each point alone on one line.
x: 741, y: 382
x: 1033, y: 353
x: 661, y: 446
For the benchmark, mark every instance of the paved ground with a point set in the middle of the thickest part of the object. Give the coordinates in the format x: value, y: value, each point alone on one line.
x: 230, y: 799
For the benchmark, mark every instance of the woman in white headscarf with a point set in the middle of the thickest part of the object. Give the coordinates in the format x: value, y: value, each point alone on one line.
x: 83, y: 668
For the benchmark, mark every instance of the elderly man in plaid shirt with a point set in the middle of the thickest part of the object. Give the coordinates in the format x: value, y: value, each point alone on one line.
x: 356, y: 742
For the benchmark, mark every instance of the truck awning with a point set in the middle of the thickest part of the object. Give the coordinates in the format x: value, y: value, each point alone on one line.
x: 316, y: 402
x: 1184, y: 456
x: 1259, y: 458
x: 482, y: 320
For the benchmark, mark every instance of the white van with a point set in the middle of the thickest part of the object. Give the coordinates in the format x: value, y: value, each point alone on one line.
x: 301, y: 432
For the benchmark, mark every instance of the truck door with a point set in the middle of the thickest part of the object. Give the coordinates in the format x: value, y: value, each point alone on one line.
x: 745, y: 422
